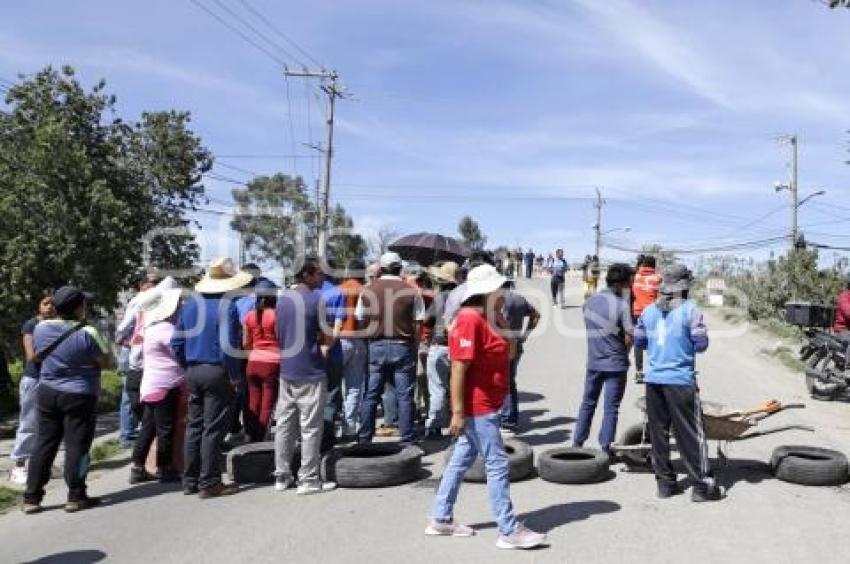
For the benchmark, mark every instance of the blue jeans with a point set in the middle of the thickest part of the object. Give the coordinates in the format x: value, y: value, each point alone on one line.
x: 27, y: 421
x: 438, y: 368
x: 394, y: 361
x: 510, y: 409
x: 390, y: 402
x: 480, y: 435
x: 614, y: 384
x: 354, y: 373
x: 127, y: 419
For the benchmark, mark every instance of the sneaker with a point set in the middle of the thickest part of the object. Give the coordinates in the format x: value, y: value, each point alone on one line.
x: 282, y: 483
x: 665, y: 492
x: 81, y: 504
x: 315, y: 488
x: 387, y: 431
x: 31, y: 508
x: 507, y: 431
x: 709, y: 493
x: 451, y: 529
x: 139, y: 475
x: 218, y: 490
x: 18, y: 475
x: 522, y: 537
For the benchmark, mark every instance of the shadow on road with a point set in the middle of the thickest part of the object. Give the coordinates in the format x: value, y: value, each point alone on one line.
x: 530, y: 397
x: 553, y: 437
x: 141, y: 491
x: 71, y: 557
x: 554, y: 516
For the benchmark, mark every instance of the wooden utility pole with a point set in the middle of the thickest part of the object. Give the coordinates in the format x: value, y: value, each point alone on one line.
x: 331, y: 89
x: 598, y: 226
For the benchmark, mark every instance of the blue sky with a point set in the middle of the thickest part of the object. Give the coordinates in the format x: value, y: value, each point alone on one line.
x: 510, y: 111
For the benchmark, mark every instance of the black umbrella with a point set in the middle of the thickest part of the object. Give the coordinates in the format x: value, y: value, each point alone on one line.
x: 428, y: 248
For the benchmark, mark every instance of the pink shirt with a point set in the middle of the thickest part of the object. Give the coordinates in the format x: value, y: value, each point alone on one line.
x: 161, y: 370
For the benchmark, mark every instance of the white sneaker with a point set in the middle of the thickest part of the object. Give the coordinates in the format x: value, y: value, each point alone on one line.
x: 452, y: 529
x: 282, y: 483
x: 315, y: 488
x: 18, y: 475
x: 522, y: 537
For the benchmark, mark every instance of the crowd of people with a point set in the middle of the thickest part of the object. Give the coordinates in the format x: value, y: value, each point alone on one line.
x: 240, y: 359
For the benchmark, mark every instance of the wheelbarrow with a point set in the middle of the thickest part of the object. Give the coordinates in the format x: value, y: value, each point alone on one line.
x: 720, y: 423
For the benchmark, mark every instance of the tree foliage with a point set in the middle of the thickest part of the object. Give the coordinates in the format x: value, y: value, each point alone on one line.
x: 471, y: 234
x: 277, y: 220
x: 81, y: 188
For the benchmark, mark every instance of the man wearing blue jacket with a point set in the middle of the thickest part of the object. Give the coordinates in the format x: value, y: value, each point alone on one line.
x: 672, y: 332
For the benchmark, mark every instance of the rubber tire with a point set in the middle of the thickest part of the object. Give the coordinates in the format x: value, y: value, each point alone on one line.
x: 520, y: 461
x: 573, y: 465
x: 376, y: 465
x: 810, y: 466
x: 253, y: 463
x: 633, y: 435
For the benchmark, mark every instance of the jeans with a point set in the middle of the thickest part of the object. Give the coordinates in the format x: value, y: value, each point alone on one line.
x: 510, y: 409
x: 614, y: 384
x: 439, y: 367
x: 390, y: 403
x: 394, y: 361
x: 210, y: 400
x: 557, y: 287
x: 480, y: 435
x: 300, y: 407
x: 240, y: 397
x: 25, y: 437
x: 129, y: 412
x: 158, y: 421
x: 262, y: 395
x: 68, y: 417
x: 354, y: 357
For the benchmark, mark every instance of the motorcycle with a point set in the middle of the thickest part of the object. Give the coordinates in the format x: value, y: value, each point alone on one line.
x: 825, y: 354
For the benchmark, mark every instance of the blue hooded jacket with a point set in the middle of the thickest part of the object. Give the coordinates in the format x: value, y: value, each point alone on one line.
x: 672, y: 339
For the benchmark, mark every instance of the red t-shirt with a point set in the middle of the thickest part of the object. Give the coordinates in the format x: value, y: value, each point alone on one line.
x: 842, y: 312
x: 473, y: 339
x: 262, y: 342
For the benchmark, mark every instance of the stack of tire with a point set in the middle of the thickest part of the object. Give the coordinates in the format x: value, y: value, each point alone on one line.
x: 810, y: 466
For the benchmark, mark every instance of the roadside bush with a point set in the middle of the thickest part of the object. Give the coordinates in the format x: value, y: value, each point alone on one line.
x: 110, y: 388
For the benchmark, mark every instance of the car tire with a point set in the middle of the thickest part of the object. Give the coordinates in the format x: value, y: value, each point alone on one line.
x: 253, y: 463
x: 635, y: 435
x: 573, y: 465
x: 520, y: 460
x: 810, y: 466
x: 375, y: 465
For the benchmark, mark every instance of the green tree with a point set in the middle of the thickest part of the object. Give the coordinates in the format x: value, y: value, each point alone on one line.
x: 277, y: 220
x: 663, y: 257
x: 81, y: 188
x: 471, y: 233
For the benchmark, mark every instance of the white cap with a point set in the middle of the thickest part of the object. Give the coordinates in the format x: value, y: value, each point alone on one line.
x: 482, y: 280
x: 390, y: 259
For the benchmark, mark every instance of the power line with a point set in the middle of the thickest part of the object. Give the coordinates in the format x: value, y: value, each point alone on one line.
x: 240, y: 33
x: 266, y: 156
x: 256, y: 31
x: 291, y: 125
x: 236, y: 168
x: 743, y: 245
x: 282, y: 35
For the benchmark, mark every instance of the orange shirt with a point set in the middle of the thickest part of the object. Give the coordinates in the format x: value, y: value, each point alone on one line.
x: 351, y: 290
x: 644, y: 289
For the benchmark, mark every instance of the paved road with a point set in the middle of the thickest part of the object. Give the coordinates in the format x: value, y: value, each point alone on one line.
x: 762, y: 520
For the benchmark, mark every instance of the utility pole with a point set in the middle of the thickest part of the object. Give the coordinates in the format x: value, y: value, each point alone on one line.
x: 331, y: 88
x: 795, y: 205
x: 598, y: 226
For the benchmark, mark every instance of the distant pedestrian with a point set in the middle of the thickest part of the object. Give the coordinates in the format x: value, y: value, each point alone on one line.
x: 521, y: 318
x: 71, y: 354
x: 25, y: 436
x: 529, y: 263
x: 391, y: 311
x: 672, y: 331
x: 593, y: 272
x: 608, y: 322
x: 204, y: 342
x: 644, y: 293
x: 161, y: 390
x: 446, y: 277
x: 354, y: 349
x: 303, y: 381
x: 479, y: 384
x: 558, y: 280
x: 263, y: 368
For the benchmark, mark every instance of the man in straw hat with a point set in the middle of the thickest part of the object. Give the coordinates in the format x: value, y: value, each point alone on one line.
x: 672, y: 331
x: 204, y: 337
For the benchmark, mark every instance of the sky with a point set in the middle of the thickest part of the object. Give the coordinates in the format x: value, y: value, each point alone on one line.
x: 513, y: 112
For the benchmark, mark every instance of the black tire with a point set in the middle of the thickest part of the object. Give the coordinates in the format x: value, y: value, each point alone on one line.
x: 253, y: 463
x: 375, y: 465
x: 810, y: 466
x: 520, y: 460
x: 634, y: 435
x: 573, y: 465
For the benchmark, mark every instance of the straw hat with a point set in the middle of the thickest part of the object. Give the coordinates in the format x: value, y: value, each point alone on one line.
x: 222, y: 277
x: 447, y: 273
x: 482, y: 280
x: 161, y: 306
